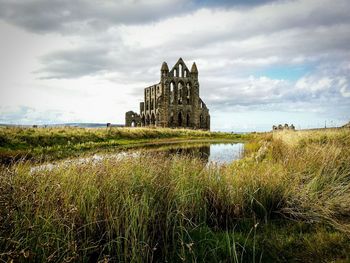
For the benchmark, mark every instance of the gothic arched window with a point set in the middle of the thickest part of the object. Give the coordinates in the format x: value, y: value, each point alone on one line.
x: 179, y: 119
x: 172, y: 95
x: 179, y: 92
x: 188, y: 97
x: 171, y: 119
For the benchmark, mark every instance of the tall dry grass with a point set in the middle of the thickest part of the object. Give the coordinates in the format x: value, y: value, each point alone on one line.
x: 287, y: 200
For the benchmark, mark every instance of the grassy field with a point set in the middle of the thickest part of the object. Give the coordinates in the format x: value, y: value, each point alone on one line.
x: 47, y: 144
x: 287, y: 200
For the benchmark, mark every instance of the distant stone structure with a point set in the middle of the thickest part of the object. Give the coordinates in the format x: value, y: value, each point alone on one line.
x: 173, y: 102
x: 346, y: 125
x: 132, y: 119
x: 283, y: 127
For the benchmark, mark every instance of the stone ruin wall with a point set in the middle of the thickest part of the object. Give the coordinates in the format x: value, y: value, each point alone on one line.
x: 174, y: 102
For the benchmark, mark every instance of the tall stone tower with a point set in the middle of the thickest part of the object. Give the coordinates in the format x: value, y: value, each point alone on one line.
x: 173, y: 102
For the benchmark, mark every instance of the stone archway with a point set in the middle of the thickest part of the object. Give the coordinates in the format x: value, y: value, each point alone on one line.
x: 157, y: 119
x: 171, y: 119
x: 179, y: 119
x: 201, y: 120
x: 147, y: 120
x: 188, y: 120
x: 153, y: 119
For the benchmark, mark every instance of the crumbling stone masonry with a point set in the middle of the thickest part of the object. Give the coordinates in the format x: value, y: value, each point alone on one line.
x: 173, y: 102
x: 132, y: 119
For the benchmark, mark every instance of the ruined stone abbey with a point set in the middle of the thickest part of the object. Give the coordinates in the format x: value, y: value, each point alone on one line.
x: 173, y: 102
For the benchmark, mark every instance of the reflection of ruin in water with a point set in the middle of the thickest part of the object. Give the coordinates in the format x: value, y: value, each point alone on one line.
x: 219, y: 153
x: 202, y: 152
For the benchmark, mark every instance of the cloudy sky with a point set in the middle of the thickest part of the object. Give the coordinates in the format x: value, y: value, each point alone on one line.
x: 260, y: 62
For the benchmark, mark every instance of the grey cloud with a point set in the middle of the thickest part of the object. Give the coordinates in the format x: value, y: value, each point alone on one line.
x: 230, y: 3
x: 69, y: 16
x: 316, y: 33
x: 75, y: 17
x: 285, y: 18
x: 41, y: 15
x: 75, y: 63
x: 130, y: 65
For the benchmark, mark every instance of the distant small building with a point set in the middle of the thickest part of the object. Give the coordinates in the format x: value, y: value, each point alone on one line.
x: 346, y: 125
x: 283, y: 127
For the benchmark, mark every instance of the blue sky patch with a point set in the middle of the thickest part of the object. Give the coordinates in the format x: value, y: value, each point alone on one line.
x: 291, y: 73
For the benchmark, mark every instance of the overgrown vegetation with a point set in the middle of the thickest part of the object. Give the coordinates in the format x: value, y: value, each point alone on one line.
x: 45, y: 144
x: 288, y: 200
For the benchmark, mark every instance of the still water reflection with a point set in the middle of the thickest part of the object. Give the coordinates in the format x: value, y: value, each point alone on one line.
x: 220, y: 153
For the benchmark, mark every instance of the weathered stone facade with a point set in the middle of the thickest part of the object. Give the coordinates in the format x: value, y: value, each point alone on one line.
x: 173, y: 102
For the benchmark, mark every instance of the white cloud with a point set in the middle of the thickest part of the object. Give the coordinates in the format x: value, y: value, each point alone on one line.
x: 344, y: 85
x: 314, y: 84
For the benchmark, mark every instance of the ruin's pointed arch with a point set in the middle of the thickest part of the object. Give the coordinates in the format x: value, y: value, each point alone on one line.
x: 188, y: 119
x: 157, y: 118
x: 180, y: 91
x: 172, y: 92
x: 180, y: 119
x: 171, y: 120
x: 153, y: 119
